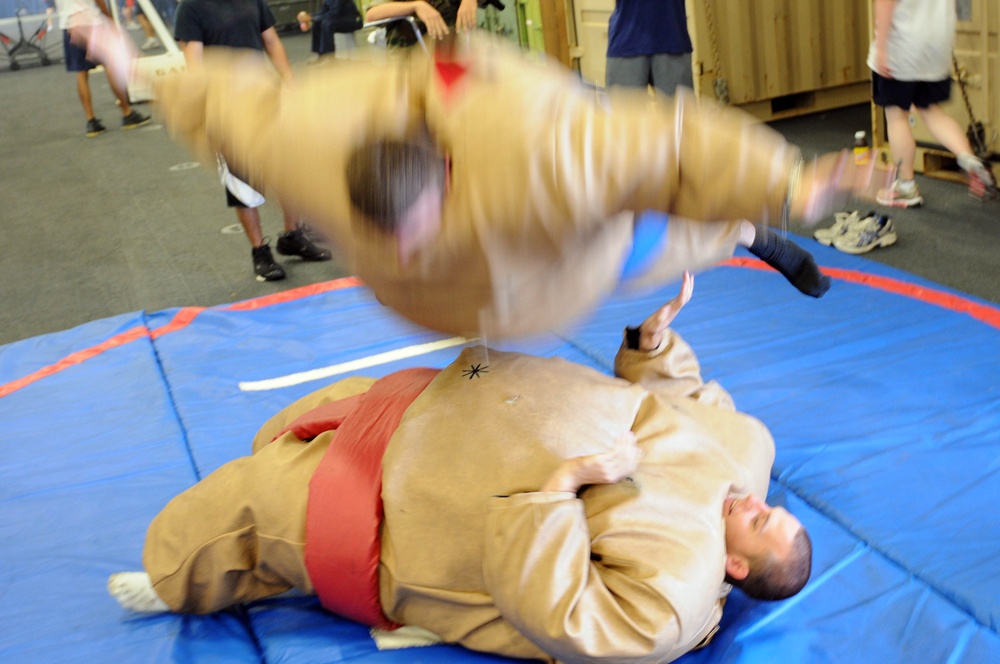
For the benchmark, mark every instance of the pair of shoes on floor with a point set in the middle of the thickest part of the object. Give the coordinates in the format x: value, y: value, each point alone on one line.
x: 900, y: 194
x: 844, y: 223
x: 290, y: 243
x: 866, y: 234
x: 95, y: 128
x: 150, y: 44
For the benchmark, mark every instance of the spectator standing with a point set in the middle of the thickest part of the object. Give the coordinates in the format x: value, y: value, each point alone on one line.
x: 649, y: 44
x: 248, y: 25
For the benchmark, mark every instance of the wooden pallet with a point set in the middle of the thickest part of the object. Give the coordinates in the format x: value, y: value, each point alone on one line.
x: 803, y: 103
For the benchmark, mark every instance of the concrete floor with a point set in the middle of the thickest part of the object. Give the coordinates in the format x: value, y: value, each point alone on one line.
x: 129, y: 221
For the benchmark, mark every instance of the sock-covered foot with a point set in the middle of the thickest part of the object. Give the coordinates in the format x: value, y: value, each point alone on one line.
x: 791, y: 260
x: 134, y: 591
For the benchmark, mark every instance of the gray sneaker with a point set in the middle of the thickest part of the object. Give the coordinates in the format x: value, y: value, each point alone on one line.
x: 897, y: 196
x: 875, y: 232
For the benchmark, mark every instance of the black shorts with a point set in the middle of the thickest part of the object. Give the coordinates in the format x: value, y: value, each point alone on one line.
x: 890, y: 92
x: 76, y: 56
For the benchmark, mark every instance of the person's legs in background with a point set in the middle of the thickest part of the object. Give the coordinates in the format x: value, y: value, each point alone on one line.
x: 628, y: 72
x: 670, y: 70
x: 147, y: 29
x: 264, y: 265
x: 292, y: 242
x: 946, y: 130
x: 896, y: 98
x: 904, y: 192
x: 77, y: 63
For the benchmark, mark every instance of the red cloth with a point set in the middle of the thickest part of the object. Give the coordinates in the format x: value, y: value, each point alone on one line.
x: 344, y: 512
x: 327, y: 417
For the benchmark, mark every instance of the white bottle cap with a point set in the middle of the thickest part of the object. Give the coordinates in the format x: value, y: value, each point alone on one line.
x: 859, y: 135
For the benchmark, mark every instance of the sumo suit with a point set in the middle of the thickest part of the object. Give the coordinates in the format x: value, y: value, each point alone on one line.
x: 546, y: 176
x: 469, y: 548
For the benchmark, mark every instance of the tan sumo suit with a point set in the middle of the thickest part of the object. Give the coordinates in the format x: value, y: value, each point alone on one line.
x: 470, y: 549
x: 546, y: 176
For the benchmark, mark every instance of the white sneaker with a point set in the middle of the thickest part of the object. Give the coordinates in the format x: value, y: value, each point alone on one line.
x: 982, y: 184
x: 897, y: 196
x: 877, y: 231
x: 844, y: 223
x: 151, y: 43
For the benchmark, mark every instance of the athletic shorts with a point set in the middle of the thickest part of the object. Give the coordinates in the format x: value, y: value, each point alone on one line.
x: 239, y: 194
x: 890, y: 92
x: 76, y: 56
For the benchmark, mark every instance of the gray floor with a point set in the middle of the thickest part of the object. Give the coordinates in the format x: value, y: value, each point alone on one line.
x: 104, y: 226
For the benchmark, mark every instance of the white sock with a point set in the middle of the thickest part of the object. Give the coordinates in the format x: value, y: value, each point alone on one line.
x: 907, y: 186
x: 968, y: 161
x: 134, y: 591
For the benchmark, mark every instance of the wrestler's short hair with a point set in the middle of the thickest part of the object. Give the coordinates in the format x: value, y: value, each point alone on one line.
x: 385, y: 177
x: 771, y: 578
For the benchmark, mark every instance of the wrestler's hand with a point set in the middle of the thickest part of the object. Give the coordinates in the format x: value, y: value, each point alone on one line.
x: 436, y: 27
x: 604, y: 468
x: 652, y: 329
x: 466, y: 19
x: 305, y: 20
x: 828, y: 183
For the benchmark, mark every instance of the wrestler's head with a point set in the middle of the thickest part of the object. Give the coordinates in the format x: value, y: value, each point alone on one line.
x: 768, y: 552
x: 396, y: 188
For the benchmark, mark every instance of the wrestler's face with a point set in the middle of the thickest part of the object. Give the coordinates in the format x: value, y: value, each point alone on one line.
x: 420, y: 225
x: 754, y: 528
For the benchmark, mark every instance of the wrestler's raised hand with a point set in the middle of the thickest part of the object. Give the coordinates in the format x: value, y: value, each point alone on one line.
x: 604, y: 468
x: 652, y: 329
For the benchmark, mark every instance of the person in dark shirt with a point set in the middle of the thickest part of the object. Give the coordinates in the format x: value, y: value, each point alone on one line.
x: 249, y: 25
x: 648, y: 44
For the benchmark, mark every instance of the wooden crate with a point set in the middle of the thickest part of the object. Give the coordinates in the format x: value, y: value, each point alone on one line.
x: 976, y: 50
x: 779, y: 57
x: 782, y: 57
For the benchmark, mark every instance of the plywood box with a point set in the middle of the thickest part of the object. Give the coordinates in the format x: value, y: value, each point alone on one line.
x: 778, y: 58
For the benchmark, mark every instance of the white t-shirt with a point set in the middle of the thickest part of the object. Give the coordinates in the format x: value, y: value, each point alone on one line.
x: 77, y: 12
x: 920, y: 41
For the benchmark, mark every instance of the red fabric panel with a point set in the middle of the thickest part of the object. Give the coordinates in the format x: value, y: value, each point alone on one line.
x: 344, y: 513
x: 327, y: 417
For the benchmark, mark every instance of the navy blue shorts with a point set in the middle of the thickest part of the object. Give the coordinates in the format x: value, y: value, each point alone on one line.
x: 76, y: 56
x: 890, y: 92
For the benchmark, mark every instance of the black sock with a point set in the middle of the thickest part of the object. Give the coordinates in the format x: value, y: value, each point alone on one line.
x: 791, y: 260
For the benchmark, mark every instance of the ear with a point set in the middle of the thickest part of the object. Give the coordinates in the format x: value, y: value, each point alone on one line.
x: 737, y: 566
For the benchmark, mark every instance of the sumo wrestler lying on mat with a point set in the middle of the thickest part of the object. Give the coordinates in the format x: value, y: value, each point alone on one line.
x: 529, y: 507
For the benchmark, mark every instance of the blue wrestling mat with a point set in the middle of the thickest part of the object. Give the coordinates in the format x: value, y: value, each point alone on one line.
x: 883, y: 398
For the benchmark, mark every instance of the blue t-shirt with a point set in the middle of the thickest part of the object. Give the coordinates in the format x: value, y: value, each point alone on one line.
x: 648, y: 27
x: 233, y: 23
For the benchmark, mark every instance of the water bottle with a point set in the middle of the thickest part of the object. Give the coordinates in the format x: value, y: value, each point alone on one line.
x: 861, y: 155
